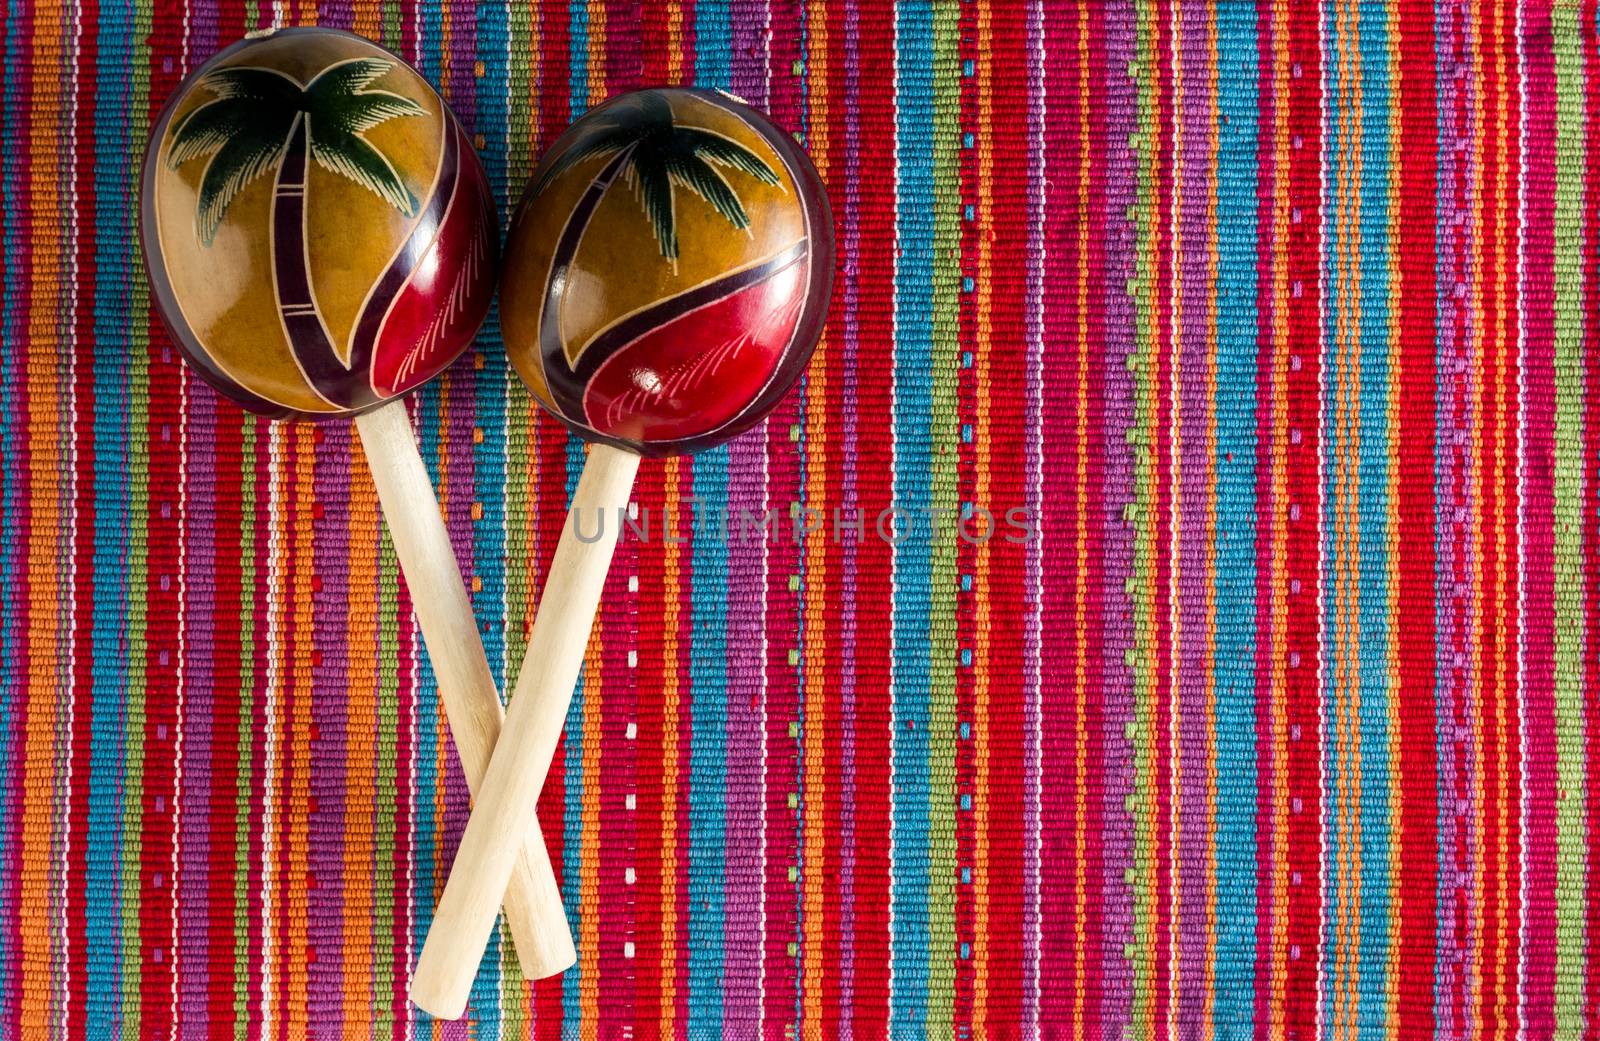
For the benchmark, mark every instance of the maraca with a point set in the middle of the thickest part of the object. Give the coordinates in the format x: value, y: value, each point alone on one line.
x: 666, y: 281
x: 321, y: 240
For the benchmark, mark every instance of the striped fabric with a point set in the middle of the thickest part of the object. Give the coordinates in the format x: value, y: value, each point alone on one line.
x: 1278, y: 324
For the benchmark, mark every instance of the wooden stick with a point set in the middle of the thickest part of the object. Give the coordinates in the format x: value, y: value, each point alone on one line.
x: 471, y: 703
x: 503, y: 816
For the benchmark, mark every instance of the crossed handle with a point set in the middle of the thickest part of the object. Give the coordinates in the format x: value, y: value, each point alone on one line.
x: 471, y: 703
x: 503, y: 819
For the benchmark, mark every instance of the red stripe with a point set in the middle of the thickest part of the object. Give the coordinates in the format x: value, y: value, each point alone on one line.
x: 781, y: 898
x: 874, y: 264
x: 1591, y: 491
x: 1162, y: 506
x: 227, y: 660
x: 167, y: 375
x: 1269, y: 794
x: 1061, y: 977
x: 1415, y: 609
x: 621, y: 632
x: 1006, y: 468
x: 1100, y: 512
x: 655, y: 615
x: 1302, y: 687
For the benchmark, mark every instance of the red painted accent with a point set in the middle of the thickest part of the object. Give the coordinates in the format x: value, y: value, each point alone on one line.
x: 701, y: 370
x: 436, y: 315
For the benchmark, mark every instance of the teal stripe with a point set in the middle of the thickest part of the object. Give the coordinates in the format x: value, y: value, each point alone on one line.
x: 115, y: 178
x: 427, y: 835
x: 913, y: 465
x: 1374, y: 464
x: 572, y: 803
x: 1234, y: 464
x: 708, y: 653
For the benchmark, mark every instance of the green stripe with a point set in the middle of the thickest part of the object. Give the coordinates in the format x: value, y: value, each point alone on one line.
x: 945, y: 495
x: 246, y: 734
x: 1140, y: 515
x: 518, y: 548
x: 138, y: 540
x: 1569, y: 564
x: 520, y: 156
x: 389, y: 812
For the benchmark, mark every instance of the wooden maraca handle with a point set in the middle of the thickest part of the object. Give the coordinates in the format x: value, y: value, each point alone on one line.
x: 503, y: 816
x: 533, y: 900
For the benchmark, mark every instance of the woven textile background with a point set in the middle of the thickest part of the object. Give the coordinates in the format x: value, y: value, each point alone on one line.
x: 1284, y: 323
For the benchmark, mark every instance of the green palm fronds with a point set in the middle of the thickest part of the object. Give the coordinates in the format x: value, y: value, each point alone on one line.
x: 659, y: 155
x: 245, y: 130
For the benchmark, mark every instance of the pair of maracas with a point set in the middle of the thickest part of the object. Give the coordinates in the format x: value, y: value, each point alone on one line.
x: 321, y: 240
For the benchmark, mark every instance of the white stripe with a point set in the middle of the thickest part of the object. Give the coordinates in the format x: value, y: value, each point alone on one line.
x: 894, y: 547
x: 1322, y: 462
x: 275, y: 592
x: 1034, y: 337
x: 66, y: 619
x: 1522, y: 499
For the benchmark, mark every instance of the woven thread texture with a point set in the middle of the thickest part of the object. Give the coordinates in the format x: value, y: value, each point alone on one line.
x: 1279, y: 322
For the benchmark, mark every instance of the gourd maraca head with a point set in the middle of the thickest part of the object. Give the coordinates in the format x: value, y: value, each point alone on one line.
x: 318, y: 231
x: 667, y: 272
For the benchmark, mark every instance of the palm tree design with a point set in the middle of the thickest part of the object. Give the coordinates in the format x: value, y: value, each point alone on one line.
x: 261, y: 120
x: 655, y: 154
x: 255, y: 122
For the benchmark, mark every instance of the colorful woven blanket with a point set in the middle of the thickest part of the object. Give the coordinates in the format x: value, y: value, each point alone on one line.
x: 1181, y: 616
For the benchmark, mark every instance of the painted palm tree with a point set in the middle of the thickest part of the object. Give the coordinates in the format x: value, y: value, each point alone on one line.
x: 261, y: 120
x: 655, y: 154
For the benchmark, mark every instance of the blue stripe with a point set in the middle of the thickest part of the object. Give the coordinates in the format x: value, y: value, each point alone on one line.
x: 913, y: 465
x: 427, y: 836
x: 1373, y: 465
x: 572, y: 807
x: 708, y: 652
x: 12, y: 683
x: 492, y: 385
x: 1235, y: 468
x: 116, y: 178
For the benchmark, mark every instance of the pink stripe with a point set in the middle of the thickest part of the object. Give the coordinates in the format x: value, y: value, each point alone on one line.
x: 1538, y: 520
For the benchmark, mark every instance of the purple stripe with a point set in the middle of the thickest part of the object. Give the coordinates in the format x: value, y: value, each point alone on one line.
x: 456, y: 490
x: 194, y: 955
x: 195, y: 724
x: 1119, y: 247
x: 330, y: 551
x: 1453, y: 523
x: 747, y: 586
x: 1196, y: 188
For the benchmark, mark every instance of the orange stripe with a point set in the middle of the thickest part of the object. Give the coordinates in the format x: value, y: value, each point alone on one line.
x: 819, y: 883
x: 46, y: 673
x: 670, y: 744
